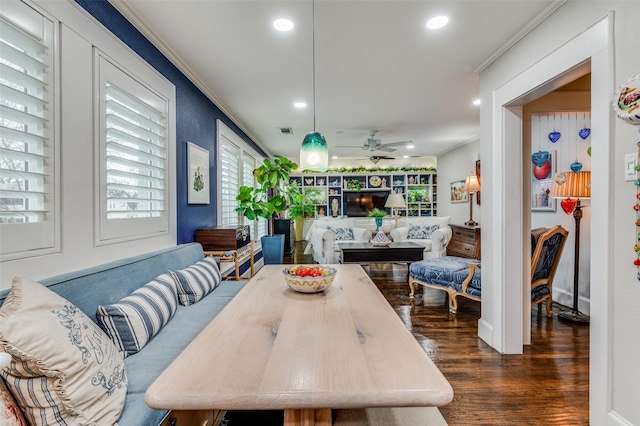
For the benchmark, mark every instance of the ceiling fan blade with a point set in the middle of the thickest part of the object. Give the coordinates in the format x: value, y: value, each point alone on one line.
x: 384, y: 148
x: 398, y: 143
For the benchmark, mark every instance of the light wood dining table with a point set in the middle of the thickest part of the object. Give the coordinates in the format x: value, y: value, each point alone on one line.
x: 272, y: 348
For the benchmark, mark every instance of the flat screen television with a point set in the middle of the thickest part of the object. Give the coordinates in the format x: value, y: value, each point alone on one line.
x: 361, y: 203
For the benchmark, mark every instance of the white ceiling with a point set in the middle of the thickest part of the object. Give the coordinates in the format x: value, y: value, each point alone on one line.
x: 377, y: 66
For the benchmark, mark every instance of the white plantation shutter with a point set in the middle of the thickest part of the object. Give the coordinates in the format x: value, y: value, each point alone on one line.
x: 236, y: 162
x: 27, y: 142
x: 229, y: 183
x: 133, y: 157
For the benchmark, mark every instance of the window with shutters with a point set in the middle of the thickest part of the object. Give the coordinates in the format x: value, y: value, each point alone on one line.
x: 28, y: 157
x: 236, y: 162
x: 133, y: 160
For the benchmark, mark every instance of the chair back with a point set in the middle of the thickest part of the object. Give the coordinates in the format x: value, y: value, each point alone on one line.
x: 546, y: 254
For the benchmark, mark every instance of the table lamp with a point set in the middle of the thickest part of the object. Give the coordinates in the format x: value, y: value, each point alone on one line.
x: 572, y: 187
x: 395, y: 201
x: 471, y: 185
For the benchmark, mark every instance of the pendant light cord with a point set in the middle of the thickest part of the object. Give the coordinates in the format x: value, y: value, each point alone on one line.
x: 313, y: 59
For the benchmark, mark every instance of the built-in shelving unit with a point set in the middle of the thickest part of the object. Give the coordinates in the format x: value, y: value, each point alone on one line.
x: 419, y: 190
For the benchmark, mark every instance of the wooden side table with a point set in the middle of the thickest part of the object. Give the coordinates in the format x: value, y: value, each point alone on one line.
x: 236, y: 257
x: 465, y: 242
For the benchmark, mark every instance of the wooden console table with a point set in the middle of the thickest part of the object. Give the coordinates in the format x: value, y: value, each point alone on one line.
x: 465, y: 242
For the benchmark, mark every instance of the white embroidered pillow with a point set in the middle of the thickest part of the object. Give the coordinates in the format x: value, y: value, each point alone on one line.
x: 64, y: 369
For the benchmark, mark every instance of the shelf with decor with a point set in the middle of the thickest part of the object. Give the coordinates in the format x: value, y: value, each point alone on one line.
x: 418, y: 188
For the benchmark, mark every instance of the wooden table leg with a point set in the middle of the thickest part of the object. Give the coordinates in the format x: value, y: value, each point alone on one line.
x: 307, y: 417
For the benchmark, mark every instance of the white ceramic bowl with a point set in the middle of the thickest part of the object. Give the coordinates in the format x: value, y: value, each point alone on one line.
x: 309, y: 284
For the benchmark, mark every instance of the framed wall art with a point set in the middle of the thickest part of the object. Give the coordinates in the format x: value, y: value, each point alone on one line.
x: 457, y: 194
x: 541, y: 185
x: 198, y: 170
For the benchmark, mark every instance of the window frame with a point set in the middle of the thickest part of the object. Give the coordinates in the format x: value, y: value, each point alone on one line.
x: 258, y: 227
x: 24, y: 240
x: 145, y: 78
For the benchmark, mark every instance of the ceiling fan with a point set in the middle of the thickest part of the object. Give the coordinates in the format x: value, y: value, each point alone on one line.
x: 372, y: 144
x: 376, y: 158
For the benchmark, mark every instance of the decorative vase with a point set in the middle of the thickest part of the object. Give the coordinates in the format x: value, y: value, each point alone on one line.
x: 298, y: 228
x: 273, y: 249
x: 378, y: 223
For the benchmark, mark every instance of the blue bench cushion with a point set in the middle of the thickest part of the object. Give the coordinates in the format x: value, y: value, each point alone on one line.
x: 447, y: 271
x: 145, y: 366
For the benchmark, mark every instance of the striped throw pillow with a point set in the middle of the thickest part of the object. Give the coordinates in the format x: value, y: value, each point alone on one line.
x: 197, y: 280
x: 135, y: 319
x: 64, y: 370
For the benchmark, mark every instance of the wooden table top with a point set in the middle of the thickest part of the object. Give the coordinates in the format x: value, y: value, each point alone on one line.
x: 274, y: 348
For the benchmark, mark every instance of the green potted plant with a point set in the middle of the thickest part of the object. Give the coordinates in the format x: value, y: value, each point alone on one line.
x: 300, y: 207
x: 378, y: 214
x: 270, y: 198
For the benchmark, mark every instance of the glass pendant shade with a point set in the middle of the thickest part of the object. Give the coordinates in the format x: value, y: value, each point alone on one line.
x: 314, y: 154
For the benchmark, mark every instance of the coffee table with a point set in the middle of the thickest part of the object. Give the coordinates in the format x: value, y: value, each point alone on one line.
x: 401, y: 252
x: 272, y: 348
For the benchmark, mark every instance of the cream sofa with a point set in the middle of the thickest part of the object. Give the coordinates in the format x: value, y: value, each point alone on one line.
x: 325, y: 249
x: 436, y: 246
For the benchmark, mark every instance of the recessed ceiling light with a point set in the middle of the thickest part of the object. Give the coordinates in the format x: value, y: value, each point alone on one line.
x: 335, y: 157
x: 477, y: 101
x: 283, y: 24
x: 405, y: 156
x: 300, y: 104
x: 410, y: 146
x: 437, y: 22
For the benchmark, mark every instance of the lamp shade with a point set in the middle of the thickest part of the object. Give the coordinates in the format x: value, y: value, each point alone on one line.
x: 575, y: 185
x: 471, y: 184
x: 395, y: 201
x: 314, y: 154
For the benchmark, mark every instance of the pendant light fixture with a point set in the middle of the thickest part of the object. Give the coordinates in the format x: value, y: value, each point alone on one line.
x: 314, y: 154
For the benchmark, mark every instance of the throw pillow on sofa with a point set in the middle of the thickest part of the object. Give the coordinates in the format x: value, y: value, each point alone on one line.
x: 197, y: 280
x: 342, y: 234
x: 64, y: 369
x: 135, y: 319
x: 421, y: 232
x: 10, y: 413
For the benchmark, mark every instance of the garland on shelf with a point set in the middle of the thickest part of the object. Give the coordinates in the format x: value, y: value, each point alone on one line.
x: 344, y: 170
x: 636, y: 207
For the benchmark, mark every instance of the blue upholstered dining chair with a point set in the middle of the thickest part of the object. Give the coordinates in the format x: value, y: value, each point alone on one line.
x: 463, y: 277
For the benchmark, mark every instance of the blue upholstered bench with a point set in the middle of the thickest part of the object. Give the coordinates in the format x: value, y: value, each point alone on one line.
x: 463, y: 277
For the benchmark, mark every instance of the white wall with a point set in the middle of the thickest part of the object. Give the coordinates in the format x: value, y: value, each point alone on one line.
x: 614, y: 371
x: 454, y: 166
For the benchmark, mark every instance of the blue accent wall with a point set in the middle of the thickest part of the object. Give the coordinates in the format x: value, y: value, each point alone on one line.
x: 196, y: 118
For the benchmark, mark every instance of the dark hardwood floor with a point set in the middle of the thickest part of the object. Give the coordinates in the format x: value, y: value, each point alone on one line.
x: 547, y: 385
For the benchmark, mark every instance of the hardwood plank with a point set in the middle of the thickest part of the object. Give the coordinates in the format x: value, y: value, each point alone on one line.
x: 548, y: 384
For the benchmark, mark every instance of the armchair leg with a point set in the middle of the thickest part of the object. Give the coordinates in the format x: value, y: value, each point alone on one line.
x: 549, y: 310
x: 453, y: 302
x: 411, y: 288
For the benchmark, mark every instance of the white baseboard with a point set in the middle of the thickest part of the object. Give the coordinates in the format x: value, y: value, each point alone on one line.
x: 485, y: 332
x: 614, y: 419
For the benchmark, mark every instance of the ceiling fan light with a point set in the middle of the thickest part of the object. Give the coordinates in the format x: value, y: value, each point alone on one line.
x: 314, y: 154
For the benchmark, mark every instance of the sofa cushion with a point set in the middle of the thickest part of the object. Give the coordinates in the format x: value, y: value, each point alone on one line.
x: 342, y: 234
x: 145, y: 366
x: 421, y: 232
x: 10, y: 413
x: 64, y: 369
x: 135, y: 319
x: 425, y: 221
x: 197, y: 280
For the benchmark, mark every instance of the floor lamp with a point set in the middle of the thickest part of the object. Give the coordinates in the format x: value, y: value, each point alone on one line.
x: 471, y: 186
x: 572, y: 187
x: 395, y: 201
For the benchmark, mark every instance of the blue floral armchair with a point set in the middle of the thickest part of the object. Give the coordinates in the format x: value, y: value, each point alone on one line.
x: 463, y: 277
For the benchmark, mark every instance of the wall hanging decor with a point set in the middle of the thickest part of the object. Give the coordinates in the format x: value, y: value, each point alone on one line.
x: 585, y: 131
x: 198, y: 170
x: 626, y: 102
x: 541, y: 184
